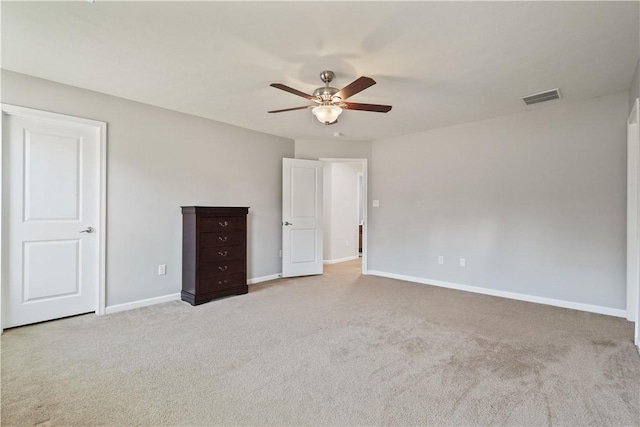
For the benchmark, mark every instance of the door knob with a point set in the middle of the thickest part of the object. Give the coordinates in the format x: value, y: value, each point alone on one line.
x: 288, y: 223
x: 87, y: 230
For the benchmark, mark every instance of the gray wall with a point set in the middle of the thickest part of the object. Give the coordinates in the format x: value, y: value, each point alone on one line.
x: 535, y: 202
x: 634, y: 90
x: 159, y: 160
x: 337, y: 149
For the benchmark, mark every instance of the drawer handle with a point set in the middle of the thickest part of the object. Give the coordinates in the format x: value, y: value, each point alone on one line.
x: 222, y: 282
x: 223, y: 238
x: 225, y: 253
x: 223, y: 224
x: 223, y: 268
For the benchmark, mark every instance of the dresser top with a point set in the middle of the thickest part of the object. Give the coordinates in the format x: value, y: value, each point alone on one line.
x: 215, y: 209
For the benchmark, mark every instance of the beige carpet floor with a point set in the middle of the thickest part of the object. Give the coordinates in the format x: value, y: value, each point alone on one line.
x: 341, y: 349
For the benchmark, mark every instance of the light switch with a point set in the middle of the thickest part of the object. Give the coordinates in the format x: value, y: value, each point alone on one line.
x: 376, y: 203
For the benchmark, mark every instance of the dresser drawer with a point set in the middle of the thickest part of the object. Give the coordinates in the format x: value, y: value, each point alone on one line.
x: 222, y: 238
x: 222, y: 223
x: 221, y: 282
x: 222, y: 253
x: 217, y: 268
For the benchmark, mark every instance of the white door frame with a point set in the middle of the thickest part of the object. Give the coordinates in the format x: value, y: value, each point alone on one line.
x: 633, y: 244
x: 633, y: 219
x: 45, y: 115
x: 365, y: 172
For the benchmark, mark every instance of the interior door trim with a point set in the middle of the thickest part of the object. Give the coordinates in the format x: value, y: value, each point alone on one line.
x: 633, y: 223
x: 19, y: 111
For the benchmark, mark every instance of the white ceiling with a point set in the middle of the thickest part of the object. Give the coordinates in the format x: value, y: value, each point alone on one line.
x: 437, y: 63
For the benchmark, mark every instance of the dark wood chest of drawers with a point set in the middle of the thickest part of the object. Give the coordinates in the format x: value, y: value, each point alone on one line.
x: 214, y: 252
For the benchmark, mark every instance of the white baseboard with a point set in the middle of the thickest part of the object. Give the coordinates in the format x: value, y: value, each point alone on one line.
x: 141, y: 303
x: 264, y: 279
x: 337, y: 260
x: 503, y: 294
x: 172, y: 297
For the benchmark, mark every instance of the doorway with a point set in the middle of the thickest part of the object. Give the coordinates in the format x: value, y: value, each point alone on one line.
x: 345, y: 210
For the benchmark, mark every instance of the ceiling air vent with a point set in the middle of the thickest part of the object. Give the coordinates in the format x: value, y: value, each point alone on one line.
x: 548, y: 95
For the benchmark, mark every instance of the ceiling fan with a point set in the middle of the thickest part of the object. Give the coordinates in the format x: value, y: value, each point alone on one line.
x: 329, y: 101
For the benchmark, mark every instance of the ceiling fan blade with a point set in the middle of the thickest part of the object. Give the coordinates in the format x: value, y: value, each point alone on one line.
x: 290, y: 90
x: 356, y: 86
x: 368, y: 107
x: 291, y: 109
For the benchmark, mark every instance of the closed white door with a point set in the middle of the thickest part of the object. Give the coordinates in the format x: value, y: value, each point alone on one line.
x: 51, y: 198
x: 301, y: 217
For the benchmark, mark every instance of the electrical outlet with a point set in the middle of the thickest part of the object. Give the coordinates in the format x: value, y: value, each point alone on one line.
x: 440, y: 260
x: 162, y: 269
x: 463, y: 262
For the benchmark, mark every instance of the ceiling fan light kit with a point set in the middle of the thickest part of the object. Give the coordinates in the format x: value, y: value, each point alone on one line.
x: 327, y: 114
x: 331, y: 101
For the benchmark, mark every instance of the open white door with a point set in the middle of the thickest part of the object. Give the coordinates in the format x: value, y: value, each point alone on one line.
x: 301, y: 217
x: 53, y: 216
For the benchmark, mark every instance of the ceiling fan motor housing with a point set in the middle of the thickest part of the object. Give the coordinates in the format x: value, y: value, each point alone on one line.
x: 326, y: 94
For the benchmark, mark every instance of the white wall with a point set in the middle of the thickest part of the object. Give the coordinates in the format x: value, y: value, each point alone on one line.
x: 535, y: 202
x: 159, y: 160
x: 341, y: 218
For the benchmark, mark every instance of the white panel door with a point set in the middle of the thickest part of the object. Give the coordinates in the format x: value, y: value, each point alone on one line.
x: 51, y: 201
x: 301, y: 217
